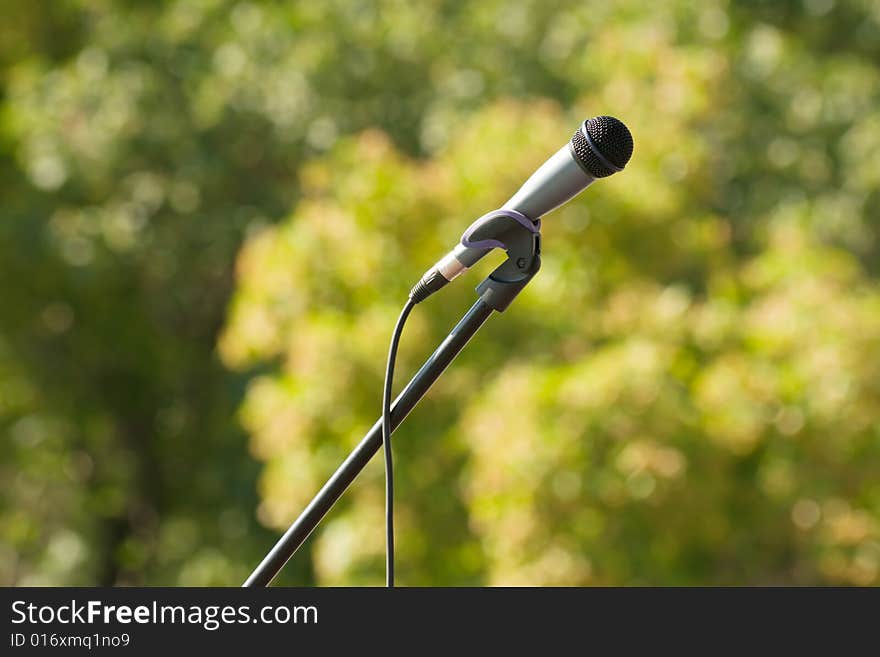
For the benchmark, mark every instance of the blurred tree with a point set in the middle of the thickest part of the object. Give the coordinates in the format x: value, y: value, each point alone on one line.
x: 141, y: 142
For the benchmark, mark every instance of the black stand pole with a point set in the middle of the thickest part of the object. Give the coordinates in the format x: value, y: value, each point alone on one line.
x: 351, y: 467
x: 496, y: 293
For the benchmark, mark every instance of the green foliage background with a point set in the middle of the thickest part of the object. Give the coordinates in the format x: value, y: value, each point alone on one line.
x: 195, y: 314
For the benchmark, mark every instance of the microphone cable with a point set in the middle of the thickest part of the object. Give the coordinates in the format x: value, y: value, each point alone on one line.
x: 386, y: 442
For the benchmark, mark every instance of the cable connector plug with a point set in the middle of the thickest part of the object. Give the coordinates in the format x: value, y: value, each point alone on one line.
x: 432, y: 281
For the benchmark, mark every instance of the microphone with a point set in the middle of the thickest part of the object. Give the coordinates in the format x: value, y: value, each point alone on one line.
x: 600, y: 147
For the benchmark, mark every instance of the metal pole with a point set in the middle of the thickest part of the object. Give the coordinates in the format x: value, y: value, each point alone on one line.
x: 358, y: 459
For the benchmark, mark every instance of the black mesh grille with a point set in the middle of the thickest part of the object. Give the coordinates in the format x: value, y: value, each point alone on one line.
x: 587, y: 157
x: 611, y: 138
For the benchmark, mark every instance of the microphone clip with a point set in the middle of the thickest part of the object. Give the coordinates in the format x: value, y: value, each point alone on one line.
x: 504, y: 229
x: 495, y: 230
x: 520, y: 237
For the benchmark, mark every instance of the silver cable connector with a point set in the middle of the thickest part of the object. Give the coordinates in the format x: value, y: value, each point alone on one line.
x: 450, y: 267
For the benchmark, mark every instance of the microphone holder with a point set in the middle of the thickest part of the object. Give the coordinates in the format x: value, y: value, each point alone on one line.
x: 523, y: 245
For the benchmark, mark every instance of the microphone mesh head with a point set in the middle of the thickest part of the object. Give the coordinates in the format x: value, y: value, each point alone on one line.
x: 613, y: 146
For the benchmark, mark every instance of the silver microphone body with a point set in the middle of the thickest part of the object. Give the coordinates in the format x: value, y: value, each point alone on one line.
x: 555, y: 182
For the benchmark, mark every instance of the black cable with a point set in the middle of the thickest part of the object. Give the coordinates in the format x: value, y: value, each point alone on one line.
x: 386, y: 443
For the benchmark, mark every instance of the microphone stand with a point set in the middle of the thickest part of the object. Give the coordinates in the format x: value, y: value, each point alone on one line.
x: 496, y: 292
